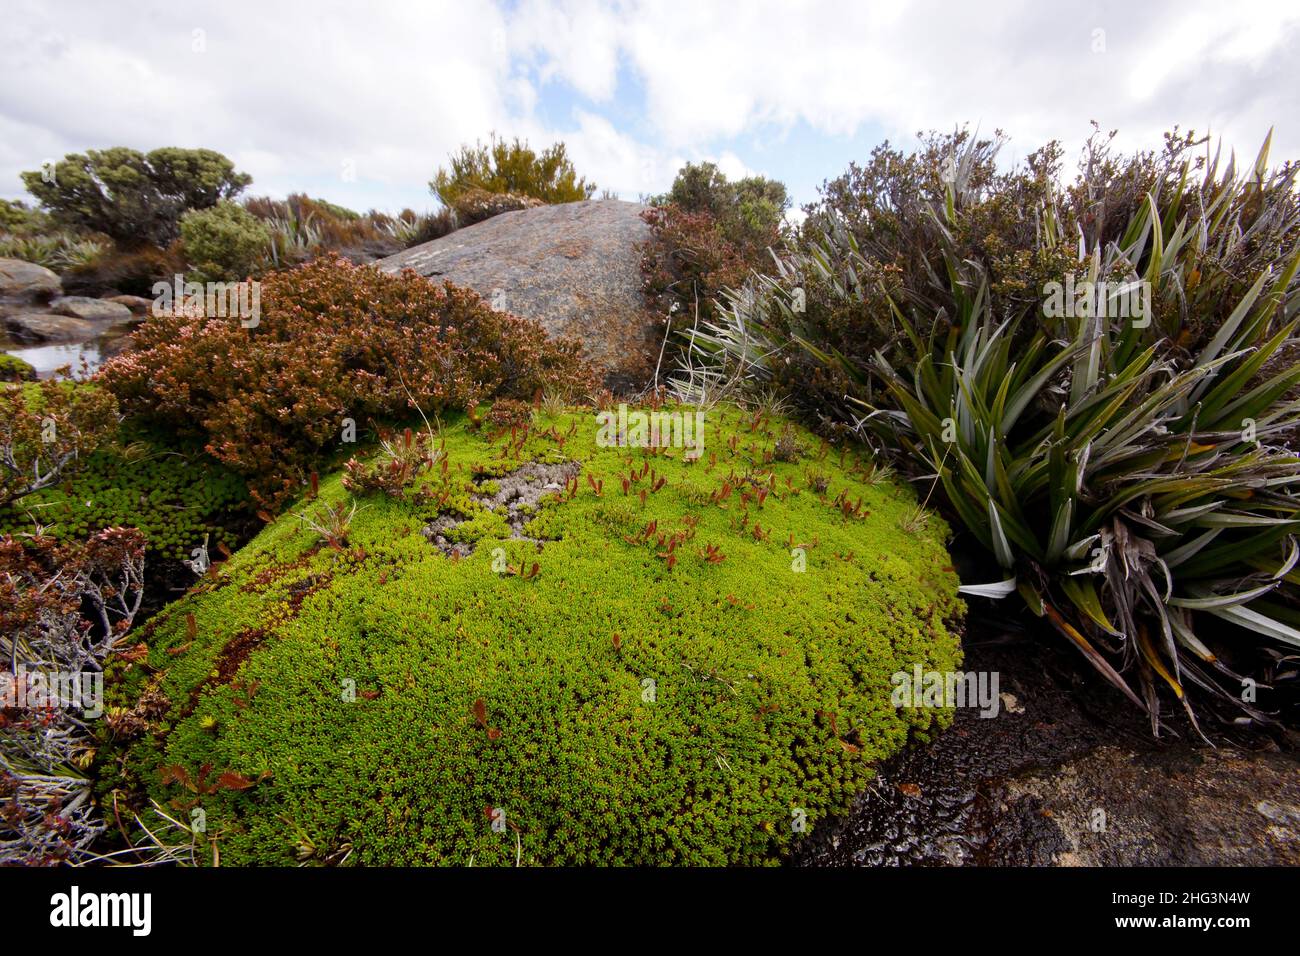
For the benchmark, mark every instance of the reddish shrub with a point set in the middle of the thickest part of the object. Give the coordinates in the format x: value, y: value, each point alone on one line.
x: 45, y: 428
x: 690, y: 258
x: 333, y: 341
x: 475, y: 205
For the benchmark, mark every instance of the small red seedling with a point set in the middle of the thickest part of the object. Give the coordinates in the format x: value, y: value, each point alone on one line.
x: 713, y: 554
x: 479, y: 711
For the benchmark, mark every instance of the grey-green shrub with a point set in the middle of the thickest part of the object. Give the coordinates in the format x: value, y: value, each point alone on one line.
x: 225, y: 242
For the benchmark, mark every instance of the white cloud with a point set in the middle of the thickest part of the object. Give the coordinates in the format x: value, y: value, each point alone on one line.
x: 713, y: 71
x: 292, y: 92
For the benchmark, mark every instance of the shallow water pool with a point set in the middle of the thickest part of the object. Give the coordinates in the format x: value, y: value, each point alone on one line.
x: 47, y: 359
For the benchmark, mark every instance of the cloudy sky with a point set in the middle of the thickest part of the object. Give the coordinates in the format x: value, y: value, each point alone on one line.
x: 360, y: 102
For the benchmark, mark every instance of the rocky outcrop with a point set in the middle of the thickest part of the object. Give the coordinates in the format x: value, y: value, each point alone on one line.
x: 37, y: 327
x: 27, y: 282
x: 574, y: 268
x: 92, y: 310
x: 32, y: 310
x: 138, y: 304
x: 1117, y: 807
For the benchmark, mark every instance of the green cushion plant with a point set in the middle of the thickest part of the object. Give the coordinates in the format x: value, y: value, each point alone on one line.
x: 633, y: 668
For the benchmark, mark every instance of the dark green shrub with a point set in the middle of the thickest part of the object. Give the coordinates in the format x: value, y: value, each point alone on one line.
x: 134, y: 197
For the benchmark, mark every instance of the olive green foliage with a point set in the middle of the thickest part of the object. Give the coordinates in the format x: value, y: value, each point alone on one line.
x: 134, y: 197
x: 707, y: 235
x: 19, y: 219
x: 336, y: 211
x: 224, y: 243
x: 176, y: 497
x: 642, y: 675
x: 748, y: 210
x: 500, y: 166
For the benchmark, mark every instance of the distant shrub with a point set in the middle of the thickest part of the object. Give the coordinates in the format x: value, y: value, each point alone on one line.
x: 334, y: 341
x: 19, y: 219
x: 511, y: 167
x: 134, y: 197
x: 709, y: 235
x: 412, y: 229
x: 224, y: 242
x: 301, y: 228
x: 749, y: 211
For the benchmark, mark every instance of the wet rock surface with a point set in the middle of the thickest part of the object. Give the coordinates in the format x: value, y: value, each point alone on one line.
x: 48, y: 327
x: 1025, y: 787
x: 49, y: 330
x: 92, y: 310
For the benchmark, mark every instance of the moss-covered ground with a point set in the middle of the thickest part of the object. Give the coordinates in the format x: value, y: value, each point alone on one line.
x: 634, y: 701
x: 178, y: 496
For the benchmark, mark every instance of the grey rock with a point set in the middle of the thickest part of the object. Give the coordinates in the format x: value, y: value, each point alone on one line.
x: 49, y: 327
x: 93, y: 310
x: 136, y: 303
x: 26, y: 281
x: 574, y: 268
